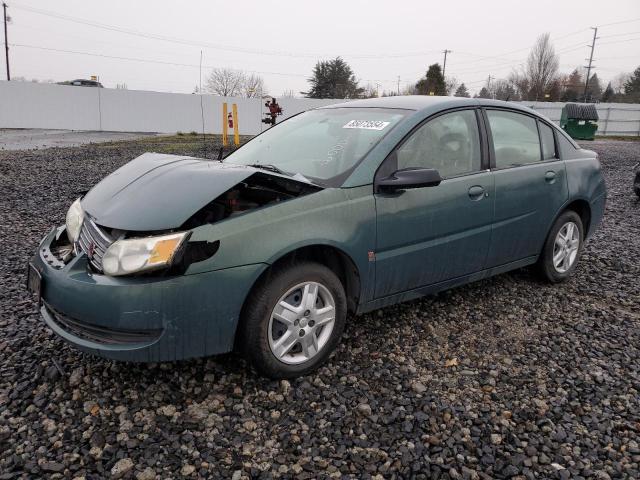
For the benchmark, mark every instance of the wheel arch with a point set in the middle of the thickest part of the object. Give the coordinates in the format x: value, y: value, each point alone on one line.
x: 583, y: 209
x: 334, y: 258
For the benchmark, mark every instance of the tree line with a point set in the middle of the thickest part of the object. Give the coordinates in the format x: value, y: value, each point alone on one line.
x: 539, y: 79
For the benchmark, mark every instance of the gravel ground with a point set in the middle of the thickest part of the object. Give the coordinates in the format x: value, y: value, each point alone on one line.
x: 505, y: 378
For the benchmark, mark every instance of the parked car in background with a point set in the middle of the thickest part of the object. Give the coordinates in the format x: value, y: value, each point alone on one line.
x: 339, y: 210
x: 80, y: 82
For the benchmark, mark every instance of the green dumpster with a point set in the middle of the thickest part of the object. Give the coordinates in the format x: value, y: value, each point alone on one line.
x: 579, y: 120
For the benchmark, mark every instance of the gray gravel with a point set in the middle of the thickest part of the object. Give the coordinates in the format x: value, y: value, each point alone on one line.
x: 505, y: 378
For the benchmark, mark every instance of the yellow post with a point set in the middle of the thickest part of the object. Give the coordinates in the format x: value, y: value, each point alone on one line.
x: 236, y: 132
x: 225, y: 126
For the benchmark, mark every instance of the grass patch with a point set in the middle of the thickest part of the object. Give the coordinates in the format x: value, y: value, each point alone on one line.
x: 179, y: 144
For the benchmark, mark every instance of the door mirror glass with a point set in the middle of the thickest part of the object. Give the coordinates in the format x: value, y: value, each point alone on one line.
x: 409, y: 178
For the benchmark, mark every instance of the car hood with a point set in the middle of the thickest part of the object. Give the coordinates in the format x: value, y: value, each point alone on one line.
x: 160, y: 192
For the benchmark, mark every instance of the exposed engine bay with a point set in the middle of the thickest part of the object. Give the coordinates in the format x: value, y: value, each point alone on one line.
x: 257, y: 191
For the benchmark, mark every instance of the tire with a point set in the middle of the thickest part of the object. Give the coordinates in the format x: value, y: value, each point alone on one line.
x: 556, y: 272
x: 282, y: 344
x: 636, y: 184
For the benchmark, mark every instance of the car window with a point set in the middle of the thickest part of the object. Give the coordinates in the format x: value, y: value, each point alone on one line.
x: 515, y: 138
x: 450, y: 143
x: 548, y: 143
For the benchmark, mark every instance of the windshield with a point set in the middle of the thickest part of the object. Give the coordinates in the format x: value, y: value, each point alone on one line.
x: 322, y: 145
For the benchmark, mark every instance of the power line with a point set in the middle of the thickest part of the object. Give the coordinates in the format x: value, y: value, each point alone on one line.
x: 162, y: 62
x: 620, y: 22
x: 142, y: 60
x: 201, y: 44
x: 621, y: 34
x: 620, y: 41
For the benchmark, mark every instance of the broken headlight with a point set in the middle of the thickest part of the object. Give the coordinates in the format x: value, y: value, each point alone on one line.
x: 73, y: 222
x: 136, y: 255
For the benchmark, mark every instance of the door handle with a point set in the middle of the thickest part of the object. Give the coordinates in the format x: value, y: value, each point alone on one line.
x: 476, y: 193
x: 550, y: 176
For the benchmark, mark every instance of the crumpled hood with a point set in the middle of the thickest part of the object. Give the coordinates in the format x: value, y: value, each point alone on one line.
x: 160, y: 192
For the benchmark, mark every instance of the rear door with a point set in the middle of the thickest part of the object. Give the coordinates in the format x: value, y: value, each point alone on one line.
x: 433, y: 234
x: 530, y: 184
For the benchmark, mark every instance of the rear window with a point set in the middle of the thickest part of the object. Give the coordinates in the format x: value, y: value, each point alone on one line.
x: 548, y: 143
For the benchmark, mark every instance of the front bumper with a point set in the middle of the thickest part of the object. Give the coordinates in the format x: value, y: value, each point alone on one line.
x: 142, y: 319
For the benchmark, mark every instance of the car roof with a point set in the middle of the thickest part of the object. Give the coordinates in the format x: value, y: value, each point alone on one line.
x: 431, y: 102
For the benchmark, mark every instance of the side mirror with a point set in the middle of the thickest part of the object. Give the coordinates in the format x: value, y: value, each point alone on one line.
x: 409, y: 178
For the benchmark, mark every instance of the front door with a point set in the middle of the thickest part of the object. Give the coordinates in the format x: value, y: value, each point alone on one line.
x: 432, y: 234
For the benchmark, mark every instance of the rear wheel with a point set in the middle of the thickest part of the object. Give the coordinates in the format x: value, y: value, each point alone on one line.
x: 293, y: 320
x: 636, y: 184
x: 562, y: 248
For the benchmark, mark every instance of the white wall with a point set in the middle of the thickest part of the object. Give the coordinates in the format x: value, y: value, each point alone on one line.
x: 34, y: 105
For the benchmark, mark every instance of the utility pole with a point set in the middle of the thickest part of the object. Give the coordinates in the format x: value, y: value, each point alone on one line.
x: 593, y: 44
x: 489, y: 86
x: 398, y: 84
x: 6, y: 42
x: 444, y: 64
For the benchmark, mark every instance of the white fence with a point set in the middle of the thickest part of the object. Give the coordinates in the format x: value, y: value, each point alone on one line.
x: 33, y: 105
x: 615, y: 118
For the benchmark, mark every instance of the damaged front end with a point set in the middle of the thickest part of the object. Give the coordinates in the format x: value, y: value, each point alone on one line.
x: 138, y: 220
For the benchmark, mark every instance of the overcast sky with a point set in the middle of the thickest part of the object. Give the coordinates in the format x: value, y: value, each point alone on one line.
x: 283, y: 39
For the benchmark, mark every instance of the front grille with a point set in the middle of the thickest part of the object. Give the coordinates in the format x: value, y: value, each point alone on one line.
x: 107, y: 336
x: 93, y: 241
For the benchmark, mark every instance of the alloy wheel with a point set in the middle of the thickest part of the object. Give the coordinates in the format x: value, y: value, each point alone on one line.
x: 565, y: 247
x: 301, y: 323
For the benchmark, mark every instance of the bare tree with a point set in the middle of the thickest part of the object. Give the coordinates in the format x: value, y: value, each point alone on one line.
x: 409, y: 89
x: 253, y: 86
x: 225, y: 82
x: 288, y: 94
x: 370, y: 91
x: 451, y: 83
x: 618, y: 82
x: 542, y: 67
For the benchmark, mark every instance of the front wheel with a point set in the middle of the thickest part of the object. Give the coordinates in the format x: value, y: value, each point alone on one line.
x: 562, y: 248
x: 293, y: 320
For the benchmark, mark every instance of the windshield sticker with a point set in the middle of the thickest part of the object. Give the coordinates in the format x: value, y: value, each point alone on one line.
x: 367, y: 124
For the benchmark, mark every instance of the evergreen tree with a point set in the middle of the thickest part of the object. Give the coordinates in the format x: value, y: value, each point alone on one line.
x: 333, y: 79
x: 462, y: 91
x: 484, y: 93
x: 632, y: 87
x: 433, y: 83
x: 608, y: 94
x: 594, y: 89
x: 574, y: 86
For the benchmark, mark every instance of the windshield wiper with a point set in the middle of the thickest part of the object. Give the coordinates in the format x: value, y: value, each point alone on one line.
x: 270, y: 167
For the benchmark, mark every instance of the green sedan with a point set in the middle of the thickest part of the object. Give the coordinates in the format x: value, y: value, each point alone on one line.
x: 336, y: 211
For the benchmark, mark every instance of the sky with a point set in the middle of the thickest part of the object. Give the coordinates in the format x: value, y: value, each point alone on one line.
x: 156, y: 45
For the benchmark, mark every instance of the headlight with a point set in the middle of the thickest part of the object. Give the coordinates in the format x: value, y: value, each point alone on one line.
x: 124, y: 257
x: 75, y: 215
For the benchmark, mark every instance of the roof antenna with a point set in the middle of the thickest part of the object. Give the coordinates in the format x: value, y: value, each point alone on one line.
x: 221, y: 154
